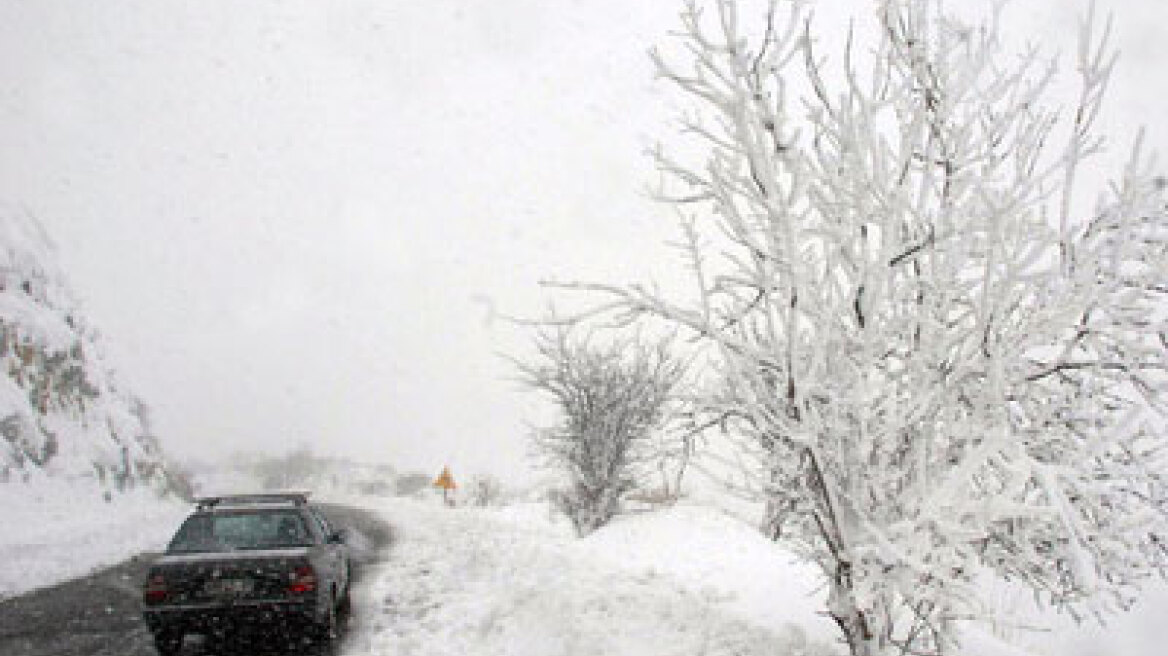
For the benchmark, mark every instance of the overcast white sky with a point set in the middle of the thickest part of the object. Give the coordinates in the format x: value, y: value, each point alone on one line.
x: 291, y: 219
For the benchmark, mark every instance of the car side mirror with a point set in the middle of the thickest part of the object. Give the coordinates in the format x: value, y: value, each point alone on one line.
x: 338, y: 537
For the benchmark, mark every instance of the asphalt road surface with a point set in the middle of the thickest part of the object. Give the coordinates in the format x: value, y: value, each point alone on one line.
x: 101, y: 614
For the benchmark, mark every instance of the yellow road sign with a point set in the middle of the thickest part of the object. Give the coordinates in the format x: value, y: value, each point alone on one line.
x: 445, y: 480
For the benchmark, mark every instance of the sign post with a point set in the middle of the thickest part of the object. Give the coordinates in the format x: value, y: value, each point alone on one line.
x: 446, y: 482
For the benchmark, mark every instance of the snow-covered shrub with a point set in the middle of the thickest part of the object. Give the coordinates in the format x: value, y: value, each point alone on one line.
x: 485, y: 490
x: 610, y: 399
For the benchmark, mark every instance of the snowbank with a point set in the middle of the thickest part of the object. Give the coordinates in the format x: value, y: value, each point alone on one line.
x: 685, y: 581
x: 55, y: 531
x: 731, y: 561
x: 509, y: 582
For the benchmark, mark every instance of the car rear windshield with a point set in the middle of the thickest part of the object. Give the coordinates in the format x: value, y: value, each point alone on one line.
x: 227, y: 531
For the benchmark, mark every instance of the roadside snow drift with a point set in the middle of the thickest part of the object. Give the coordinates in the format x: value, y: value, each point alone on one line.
x: 685, y: 581
x: 56, y: 531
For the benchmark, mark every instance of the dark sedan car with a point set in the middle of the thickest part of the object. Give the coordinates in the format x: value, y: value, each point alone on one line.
x: 267, y: 561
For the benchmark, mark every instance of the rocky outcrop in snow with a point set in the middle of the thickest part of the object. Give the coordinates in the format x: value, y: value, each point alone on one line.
x: 62, y: 413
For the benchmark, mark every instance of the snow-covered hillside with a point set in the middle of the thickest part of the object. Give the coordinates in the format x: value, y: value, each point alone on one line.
x: 63, y: 414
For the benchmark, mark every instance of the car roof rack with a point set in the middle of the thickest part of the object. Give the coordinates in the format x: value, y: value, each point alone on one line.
x: 209, y: 503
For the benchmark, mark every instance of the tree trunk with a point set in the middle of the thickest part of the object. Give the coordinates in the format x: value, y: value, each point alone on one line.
x: 835, y: 522
x: 849, y: 616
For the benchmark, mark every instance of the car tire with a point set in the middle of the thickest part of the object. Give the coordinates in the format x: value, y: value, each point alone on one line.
x: 346, y: 600
x: 168, y: 642
x: 326, y: 628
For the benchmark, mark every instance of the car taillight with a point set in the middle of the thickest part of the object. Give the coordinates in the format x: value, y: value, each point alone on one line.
x: 303, y: 580
x: 155, y: 590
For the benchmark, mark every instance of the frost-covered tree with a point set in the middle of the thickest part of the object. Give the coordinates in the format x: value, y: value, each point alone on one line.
x: 610, y: 399
x: 945, y: 364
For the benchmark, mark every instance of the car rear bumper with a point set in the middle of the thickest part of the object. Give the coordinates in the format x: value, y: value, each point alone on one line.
x: 206, y: 618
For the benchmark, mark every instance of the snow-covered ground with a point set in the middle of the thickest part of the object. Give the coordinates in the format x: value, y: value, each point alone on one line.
x: 515, y: 582
x: 688, y: 580
x: 54, y: 531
